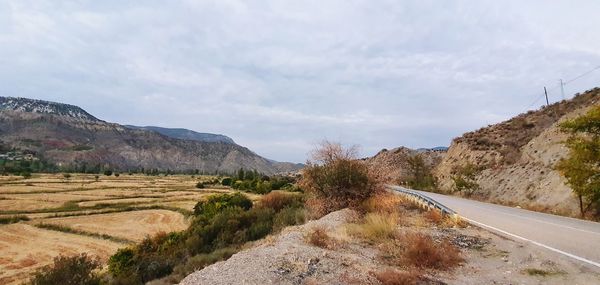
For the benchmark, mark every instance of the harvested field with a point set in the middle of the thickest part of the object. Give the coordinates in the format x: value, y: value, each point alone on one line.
x: 117, y: 201
x: 54, y: 197
x: 24, y: 248
x: 134, y: 225
x: 26, y: 205
x: 113, y: 206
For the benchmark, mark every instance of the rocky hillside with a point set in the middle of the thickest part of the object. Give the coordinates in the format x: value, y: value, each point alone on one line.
x: 69, y: 136
x: 515, y: 159
x: 185, y: 134
x: 393, y: 164
x: 45, y: 107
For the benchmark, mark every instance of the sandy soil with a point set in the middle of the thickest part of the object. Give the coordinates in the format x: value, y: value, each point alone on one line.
x: 24, y: 248
x: 133, y: 225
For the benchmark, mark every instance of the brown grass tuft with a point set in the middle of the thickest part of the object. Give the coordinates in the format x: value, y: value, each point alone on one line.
x: 397, y: 277
x: 421, y: 251
x: 319, y: 237
x: 434, y: 216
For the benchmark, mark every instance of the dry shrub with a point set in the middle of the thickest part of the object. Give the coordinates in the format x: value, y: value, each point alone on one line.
x: 376, y: 227
x: 335, y: 176
x: 421, y: 251
x: 434, y: 216
x: 315, y: 208
x: 318, y: 237
x: 278, y: 200
x: 384, y: 202
x: 397, y: 277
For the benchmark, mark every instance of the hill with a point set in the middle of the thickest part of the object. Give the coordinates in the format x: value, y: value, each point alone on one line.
x: 72, y: 138
x: 394, y: 165
x: 185, y: 134
x: 513, y: 162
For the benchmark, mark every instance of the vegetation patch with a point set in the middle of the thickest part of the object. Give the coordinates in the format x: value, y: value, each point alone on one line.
x: 220, y: 226
x: 66, y: 229
x: 13, y: 219
x: 74, y: 270
x: 541, y: 272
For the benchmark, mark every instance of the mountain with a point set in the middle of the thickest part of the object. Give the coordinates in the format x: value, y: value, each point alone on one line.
x: 44, y: 107
x: 185, y: 134
x: 515, y: 160
x: 70, y: 137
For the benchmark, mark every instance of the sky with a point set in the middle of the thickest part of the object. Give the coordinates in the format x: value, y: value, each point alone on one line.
x: 280, y: 76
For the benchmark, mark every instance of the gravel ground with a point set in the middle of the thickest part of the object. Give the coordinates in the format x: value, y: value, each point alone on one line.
x: 490, y: 259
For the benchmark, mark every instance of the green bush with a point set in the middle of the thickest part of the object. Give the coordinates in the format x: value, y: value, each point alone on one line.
x: 220, y: 226
x: 108, y: 172
x: 75, y: 270
x: 200, y: 185
x: 226, y: 181
x: 216, y: 203
x: 288, y: 216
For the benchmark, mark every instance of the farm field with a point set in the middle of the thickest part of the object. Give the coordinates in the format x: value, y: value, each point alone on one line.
x: 84, y: 214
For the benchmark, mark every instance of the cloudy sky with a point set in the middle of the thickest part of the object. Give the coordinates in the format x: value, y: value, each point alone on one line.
x: 279, y: 76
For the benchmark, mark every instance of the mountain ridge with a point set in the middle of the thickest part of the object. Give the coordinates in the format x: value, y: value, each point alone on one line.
x: 186, y: 134
x: 72, y: 138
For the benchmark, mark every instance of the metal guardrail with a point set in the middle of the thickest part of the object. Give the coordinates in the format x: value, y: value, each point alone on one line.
x: 426, y: 201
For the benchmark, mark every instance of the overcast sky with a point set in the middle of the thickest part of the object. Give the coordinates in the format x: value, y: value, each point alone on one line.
x: 279, y: 76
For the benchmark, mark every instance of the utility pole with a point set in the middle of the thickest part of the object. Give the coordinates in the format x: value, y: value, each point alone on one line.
x: 546, y: 92
x: 562, y: 89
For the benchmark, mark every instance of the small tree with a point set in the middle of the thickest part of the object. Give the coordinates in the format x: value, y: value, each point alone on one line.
x: 74, y: 270
x: 582, y: 167
x: 420, y: 174
x: 108, y: 172
x: 464, y: 179
x: 335, y: 179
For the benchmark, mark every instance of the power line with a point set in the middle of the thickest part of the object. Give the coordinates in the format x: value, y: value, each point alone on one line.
x: 582, y: 75
x: 560, y: 85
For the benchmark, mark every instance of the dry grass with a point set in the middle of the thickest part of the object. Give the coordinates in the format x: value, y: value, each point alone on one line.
x: 375, y: 227
x: 397, y: 277
x: 385, y: 203
x: 420, y: 251
x: 277, y: 200
x: 318, y: 237
x: 434, y: 216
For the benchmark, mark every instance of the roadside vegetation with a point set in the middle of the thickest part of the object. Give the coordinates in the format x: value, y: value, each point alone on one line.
x: 581, y: 167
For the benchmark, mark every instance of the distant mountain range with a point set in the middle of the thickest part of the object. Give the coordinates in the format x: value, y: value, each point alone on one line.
x: 185, y: 134
x: 69, y: 136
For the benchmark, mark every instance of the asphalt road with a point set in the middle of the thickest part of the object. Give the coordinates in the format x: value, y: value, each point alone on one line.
x: 575, y: 238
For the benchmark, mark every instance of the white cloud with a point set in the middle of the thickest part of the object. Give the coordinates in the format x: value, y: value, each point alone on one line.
x: 279, y: 76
